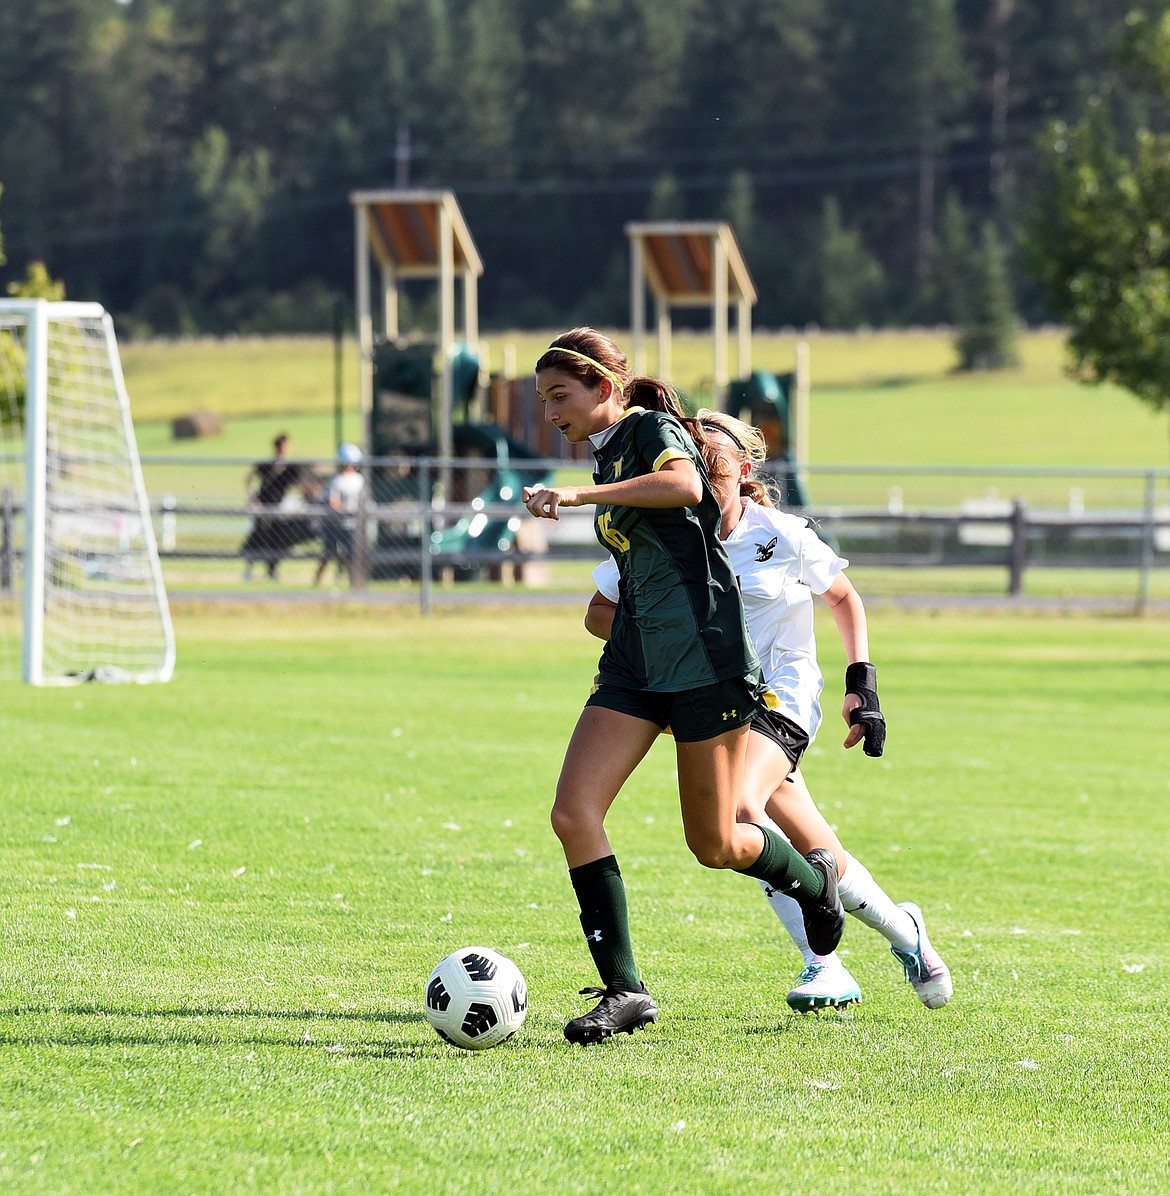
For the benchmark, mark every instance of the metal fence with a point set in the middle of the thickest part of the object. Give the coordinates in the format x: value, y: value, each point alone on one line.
x: 428, y: 525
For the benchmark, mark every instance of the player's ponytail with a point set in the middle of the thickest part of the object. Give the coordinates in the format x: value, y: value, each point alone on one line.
x: 655, y: 395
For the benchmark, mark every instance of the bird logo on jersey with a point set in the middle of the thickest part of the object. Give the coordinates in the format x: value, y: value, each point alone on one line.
x: 764, y: 551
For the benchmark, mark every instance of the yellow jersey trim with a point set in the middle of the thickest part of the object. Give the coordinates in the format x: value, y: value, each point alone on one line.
x: 670, y: 454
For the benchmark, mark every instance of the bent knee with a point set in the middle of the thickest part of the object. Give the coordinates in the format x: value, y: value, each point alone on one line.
x: 751, y: 811
x: 712, y: 853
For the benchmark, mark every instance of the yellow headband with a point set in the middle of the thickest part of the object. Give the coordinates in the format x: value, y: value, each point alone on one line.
x: 589, y: 361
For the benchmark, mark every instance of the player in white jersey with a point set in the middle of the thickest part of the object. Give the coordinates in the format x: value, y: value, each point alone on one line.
x: 780, y: 563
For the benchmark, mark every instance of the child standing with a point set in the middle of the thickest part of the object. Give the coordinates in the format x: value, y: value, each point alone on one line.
x: 342, y: 498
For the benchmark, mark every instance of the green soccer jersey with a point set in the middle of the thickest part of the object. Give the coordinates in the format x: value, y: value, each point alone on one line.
x: 680, y: 622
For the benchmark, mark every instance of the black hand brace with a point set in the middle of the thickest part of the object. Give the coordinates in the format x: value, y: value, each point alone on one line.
x: 861, y: 679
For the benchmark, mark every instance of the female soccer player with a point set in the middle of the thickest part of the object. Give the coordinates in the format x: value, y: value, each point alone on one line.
x: 779, y: 563
x: 678, y: 655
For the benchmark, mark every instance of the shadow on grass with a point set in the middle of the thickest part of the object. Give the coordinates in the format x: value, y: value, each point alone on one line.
x: 795, y: 1023
x: 190, y: 1011
x: 195, y: 1026
x: 874, y: 382
x: 898, y: 381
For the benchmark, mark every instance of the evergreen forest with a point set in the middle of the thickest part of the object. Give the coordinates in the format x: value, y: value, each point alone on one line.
x: 188, y: 163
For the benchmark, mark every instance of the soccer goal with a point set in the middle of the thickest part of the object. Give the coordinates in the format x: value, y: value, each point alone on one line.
x: 81, y: 589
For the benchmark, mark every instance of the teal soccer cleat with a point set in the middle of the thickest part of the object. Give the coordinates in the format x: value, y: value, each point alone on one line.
x: 824, y: 985
x: 928, y: 975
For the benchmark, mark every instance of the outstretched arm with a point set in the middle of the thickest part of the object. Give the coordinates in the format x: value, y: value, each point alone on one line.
x: 676, y: 484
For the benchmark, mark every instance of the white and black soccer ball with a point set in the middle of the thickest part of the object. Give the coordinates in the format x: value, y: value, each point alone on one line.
x: 476, y: 998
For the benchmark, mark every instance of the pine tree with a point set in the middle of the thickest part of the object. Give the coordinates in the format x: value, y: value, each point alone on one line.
x: 851, y: 278
x: 667, y: 201
x: 987, y: 339
x: 951, y: 268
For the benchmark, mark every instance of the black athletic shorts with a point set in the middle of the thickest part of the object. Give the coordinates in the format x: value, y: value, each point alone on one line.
x: 791, y: 738
x: 691, y: 714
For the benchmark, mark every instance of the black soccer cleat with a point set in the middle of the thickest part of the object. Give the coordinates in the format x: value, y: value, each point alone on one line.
x: 620, y: 1011
x: 824, y: 922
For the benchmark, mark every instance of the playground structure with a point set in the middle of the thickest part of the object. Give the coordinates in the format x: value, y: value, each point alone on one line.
x: 699, y: 264
x: 426, y: 399
x: 416, y: 234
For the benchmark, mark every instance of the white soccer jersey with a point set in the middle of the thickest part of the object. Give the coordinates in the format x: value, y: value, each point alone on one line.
x: 779, y: 563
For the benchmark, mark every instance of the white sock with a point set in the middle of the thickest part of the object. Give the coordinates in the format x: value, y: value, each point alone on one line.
x: 792, y: 919
x: 785, y: 908
x: 789, y: 912
x: 867, y: 901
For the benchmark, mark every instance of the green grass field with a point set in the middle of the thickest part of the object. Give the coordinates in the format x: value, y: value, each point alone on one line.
x: 889, y: 398
x: 221, y: 898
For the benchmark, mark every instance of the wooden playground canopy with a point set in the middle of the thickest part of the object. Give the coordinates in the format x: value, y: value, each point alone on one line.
x: 414, y: 234
x: 690, y: 264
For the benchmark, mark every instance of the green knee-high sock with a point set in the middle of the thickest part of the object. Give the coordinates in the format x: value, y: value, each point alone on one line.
x: 785, y: 869
x: 605, y: 920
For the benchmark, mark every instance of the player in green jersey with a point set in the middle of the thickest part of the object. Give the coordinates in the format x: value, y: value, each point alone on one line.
x: 779, y: 564
x: 678, y: 656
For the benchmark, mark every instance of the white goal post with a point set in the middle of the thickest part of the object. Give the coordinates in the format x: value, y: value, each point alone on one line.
x: 79, y: 566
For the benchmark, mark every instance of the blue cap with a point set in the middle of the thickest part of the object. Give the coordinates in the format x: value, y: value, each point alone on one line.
x: 349, y: 454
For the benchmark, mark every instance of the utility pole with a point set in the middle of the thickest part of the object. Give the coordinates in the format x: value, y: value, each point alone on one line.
x: 1001, y: 13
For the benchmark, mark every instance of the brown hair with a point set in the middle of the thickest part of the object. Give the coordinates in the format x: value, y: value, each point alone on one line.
x: 606, y: 360
x: 751, y: 446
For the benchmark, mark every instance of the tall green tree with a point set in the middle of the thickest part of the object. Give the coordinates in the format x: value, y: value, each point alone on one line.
x: 1099, y: 233
x: 901, y: 79
x: 972, y: 289
x: 851, y: 278
x: 493, y: 60
x: 232, y: 189
x: 53, y: 111
x: 951, y: 267
x: 739, y: 210
x: 667, y: 202
x: 987, y: 314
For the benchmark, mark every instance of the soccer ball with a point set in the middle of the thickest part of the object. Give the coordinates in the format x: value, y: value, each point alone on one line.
x: 476, y: 998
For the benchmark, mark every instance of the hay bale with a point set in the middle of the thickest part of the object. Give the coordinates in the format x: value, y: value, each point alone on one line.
x: 196, y: 425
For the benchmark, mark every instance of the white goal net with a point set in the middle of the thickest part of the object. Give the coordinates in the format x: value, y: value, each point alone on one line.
x: 81, y: 590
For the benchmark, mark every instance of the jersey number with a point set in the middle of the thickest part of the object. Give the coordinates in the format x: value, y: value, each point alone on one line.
x: 611, y: 535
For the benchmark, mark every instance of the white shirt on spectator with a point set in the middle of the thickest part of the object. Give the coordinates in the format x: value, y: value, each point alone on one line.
x: 344, y: 491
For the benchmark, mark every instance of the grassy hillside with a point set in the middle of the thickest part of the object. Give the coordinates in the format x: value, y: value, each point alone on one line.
x: 888, y: 398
